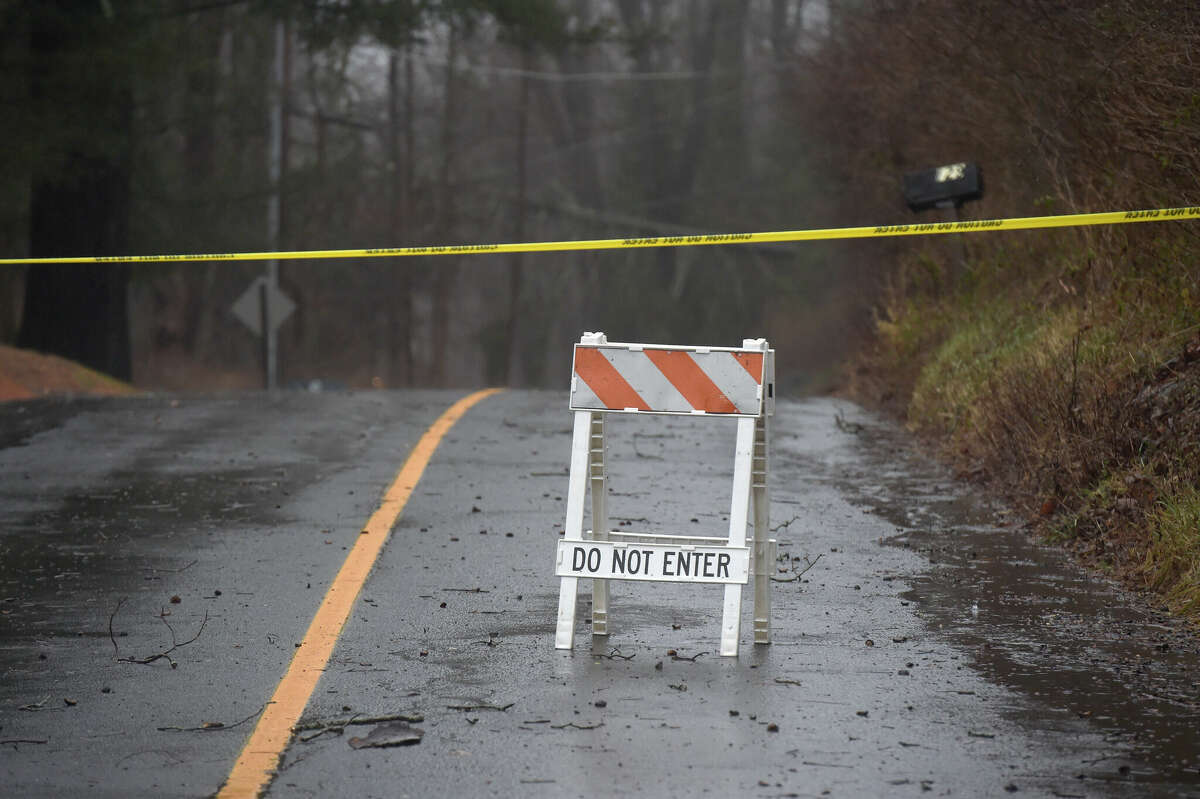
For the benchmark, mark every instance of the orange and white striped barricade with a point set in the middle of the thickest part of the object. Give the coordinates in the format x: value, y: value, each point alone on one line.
x: 704, y: 382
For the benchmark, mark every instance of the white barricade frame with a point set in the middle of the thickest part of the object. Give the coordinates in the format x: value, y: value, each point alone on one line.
x: 705, y: 382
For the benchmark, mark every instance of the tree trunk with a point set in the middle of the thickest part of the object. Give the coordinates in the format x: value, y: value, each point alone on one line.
x: 443, y: 283
x: 516, y: 264
x: 82, y: 206
x: 399, y: 338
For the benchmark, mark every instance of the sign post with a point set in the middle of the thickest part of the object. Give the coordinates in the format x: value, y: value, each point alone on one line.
x: 263, y: 307
x: 702, y: 382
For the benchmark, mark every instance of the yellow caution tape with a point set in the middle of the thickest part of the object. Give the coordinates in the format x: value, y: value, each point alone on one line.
x: 883, y: 231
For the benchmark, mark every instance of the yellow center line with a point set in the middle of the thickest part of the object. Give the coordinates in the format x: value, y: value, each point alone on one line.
x: 260, y: 756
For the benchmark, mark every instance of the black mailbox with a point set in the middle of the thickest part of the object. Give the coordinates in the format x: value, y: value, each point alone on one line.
x: 946, y: 186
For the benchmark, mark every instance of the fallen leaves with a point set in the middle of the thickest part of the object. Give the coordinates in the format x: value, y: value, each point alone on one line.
x: 396, y: 733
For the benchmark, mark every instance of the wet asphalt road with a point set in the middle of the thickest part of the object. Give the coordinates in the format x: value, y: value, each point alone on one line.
x: 927, y: 649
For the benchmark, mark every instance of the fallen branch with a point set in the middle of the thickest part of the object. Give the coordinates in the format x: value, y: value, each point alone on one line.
x: 24, y: 741
x: 339, y: 726
x: 175, y: 643
x: 211, y: 726
x: 616, y: 655
x: 676, y: 656
x: 573, y: 725
x: 313, y: 736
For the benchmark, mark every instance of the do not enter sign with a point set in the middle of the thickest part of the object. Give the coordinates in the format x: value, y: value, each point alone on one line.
x: 604, y: 560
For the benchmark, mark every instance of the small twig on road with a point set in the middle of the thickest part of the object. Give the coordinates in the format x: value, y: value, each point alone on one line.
x: 213, y: 726
x: 113, y: 615
x: 800, y: 573
x: 786, y: 681
x: 616, y: 655
x: 782, y: 525
x: 825, y: 765
x: 315, y: 735
x: 33, y: 707
x: 480, y: 707
x: 676, y: 656
x: 15, y: 741
x: 467, y: 590
x: 573, y: 725
x: 175, y: 643
x: 810, y: 563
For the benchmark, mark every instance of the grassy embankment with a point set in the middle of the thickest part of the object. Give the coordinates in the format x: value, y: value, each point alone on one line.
x: 1064, y: 370
x: 1062, y: 367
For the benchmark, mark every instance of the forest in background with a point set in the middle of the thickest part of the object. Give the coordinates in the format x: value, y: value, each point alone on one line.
x: 142, y: 127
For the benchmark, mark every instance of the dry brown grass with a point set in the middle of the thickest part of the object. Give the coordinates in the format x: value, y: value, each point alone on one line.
x: 25, y: 374
x: 1062, y: 367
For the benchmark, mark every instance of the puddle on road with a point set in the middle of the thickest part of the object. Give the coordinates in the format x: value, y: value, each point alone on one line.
x: 1031, y: 620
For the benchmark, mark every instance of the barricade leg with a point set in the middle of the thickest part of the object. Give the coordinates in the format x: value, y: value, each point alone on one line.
x: 763, y: 562
x: 731, y: 617
x: 564, y: 636
x: 597, y: 477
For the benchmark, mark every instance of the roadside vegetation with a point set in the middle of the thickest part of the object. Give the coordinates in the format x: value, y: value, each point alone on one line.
x: 1060, y: 368
x: 1074, y: 389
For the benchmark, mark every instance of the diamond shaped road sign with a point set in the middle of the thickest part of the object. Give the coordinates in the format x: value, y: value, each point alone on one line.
x: 248, y: 307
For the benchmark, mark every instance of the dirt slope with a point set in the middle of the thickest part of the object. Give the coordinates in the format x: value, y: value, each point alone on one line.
x: 25, y: 374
